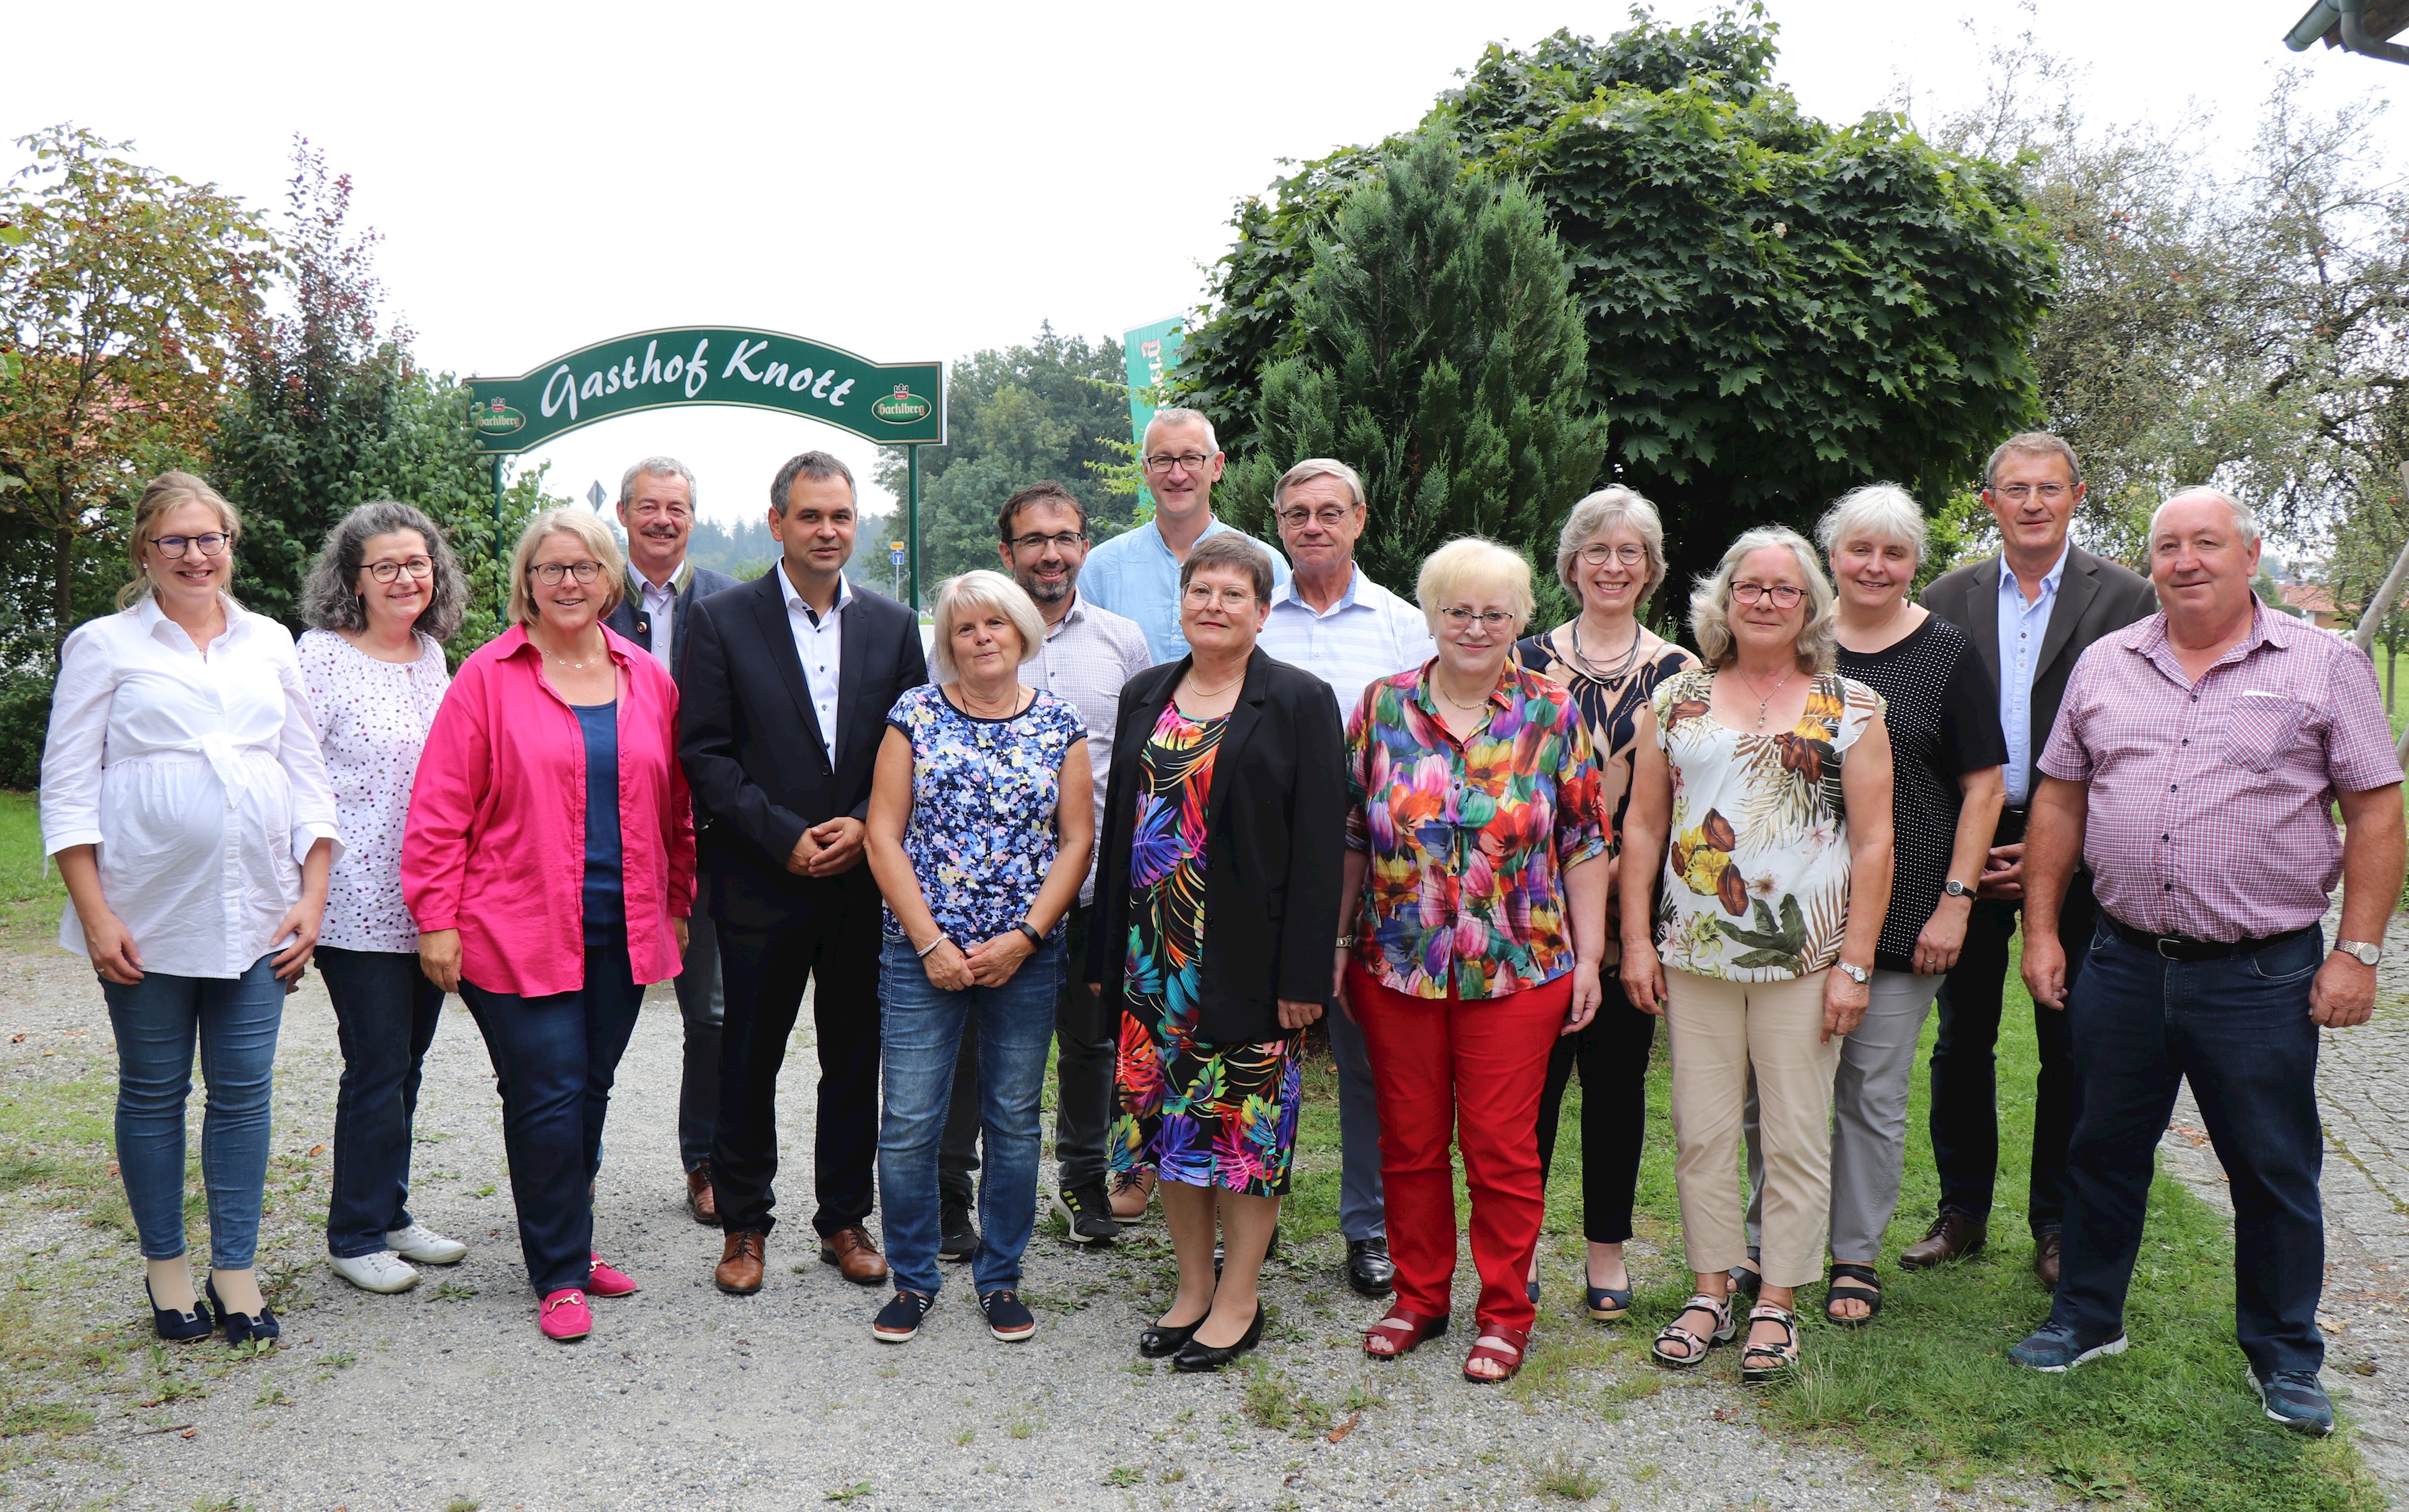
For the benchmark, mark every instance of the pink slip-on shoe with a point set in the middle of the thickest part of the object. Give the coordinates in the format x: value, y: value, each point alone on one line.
x: 564, y: 1316
x: 605, y: 1280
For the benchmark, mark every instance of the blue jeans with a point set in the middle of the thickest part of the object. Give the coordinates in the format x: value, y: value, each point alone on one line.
x: 385, y: 1014
x: 2238, y: 1031
x: 555, y: 1060
x: 155, y: 1021
x: 920, y: 1032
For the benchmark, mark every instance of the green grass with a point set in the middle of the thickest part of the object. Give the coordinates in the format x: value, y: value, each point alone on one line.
x: 30, y: 891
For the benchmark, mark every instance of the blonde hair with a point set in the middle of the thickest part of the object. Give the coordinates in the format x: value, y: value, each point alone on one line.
x: 1819, y: 640
x: 983, y: 589
x: 168, y: 491
x: 1468, y: 565
x: 592, y: 533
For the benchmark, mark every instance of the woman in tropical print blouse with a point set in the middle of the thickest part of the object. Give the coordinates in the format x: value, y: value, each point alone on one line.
x: 1764, y: 781
x: 1476, y: 845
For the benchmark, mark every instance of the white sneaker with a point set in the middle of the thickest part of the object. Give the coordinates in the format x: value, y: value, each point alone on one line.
x: 423, y: 1245
x: 384, y: 1271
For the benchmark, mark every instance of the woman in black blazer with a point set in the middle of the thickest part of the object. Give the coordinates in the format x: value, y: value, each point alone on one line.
x: 1217, y: 901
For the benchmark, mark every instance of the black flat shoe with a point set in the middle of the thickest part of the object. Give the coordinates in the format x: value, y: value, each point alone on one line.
x: 241, y: 1328
x: 176, y: 1327
x: 1195, y: 1357
x: 1161, y: 1342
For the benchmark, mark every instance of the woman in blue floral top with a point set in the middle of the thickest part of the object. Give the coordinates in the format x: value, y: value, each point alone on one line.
x: 980, y: 825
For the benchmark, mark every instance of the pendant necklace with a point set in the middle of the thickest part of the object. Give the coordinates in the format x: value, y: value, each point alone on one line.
x: 1763, y: 703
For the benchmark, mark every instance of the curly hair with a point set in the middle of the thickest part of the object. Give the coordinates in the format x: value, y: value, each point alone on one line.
x: 330, y: 595
x: 1819, y: 640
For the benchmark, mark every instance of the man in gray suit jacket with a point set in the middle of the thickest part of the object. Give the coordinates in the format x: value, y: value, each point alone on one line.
x: 656, y: 500
x: 2031, y: 612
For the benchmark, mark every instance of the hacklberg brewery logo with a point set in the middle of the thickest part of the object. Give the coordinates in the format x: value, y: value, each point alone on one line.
x: 901, y: 407
x: 498, y: 419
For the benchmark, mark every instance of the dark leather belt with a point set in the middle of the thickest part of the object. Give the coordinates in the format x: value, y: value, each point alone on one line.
x: 2181, y: 947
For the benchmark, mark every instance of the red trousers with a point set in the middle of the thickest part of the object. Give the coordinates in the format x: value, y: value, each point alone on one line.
x: 1448, y: 1070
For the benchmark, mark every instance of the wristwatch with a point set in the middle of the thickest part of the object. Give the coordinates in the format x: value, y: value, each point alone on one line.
x: 1955, y: 889
x: 1346, y: 941
x: 1854, y: 973
x: 2368, y: 955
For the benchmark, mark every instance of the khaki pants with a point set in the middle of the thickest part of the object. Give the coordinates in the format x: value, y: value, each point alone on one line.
x: 1720, y: 1031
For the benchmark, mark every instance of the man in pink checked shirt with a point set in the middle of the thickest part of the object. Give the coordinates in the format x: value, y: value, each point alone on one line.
x: 2194, y: 764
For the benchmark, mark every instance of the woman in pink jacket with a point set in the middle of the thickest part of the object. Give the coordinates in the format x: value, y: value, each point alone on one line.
x: 550, y: 792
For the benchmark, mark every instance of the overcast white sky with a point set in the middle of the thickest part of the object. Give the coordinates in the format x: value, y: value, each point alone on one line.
x: 913, y: 181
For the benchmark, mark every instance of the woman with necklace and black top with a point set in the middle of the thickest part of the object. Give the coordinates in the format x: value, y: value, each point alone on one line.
x: 1612, y: 558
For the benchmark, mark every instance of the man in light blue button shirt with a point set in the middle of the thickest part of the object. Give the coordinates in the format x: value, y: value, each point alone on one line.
x: 1136, y: 573
x: 1348, y: 630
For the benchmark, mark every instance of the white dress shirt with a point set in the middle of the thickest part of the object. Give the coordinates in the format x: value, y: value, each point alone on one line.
x: 819, y: 644
x: 1370, y: 634
x: 1085, y: 659
x: 198, y: 777
x: 660, y: 610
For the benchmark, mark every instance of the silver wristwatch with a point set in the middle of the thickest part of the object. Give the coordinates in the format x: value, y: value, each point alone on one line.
x: 1955, y: 889
x: 2368, y: 955
x: 1854, y: 973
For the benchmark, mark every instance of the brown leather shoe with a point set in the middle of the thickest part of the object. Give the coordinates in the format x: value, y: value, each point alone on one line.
x: 739, y: 1263
x: 2048, y: 1252
x: 1131, y: 1190
x: 1951, y: 1236
x: 854, y: 1256
x: 700, y: 1198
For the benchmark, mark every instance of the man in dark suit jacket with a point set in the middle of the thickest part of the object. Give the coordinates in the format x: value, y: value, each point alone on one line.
x: 788, y: 681
x: 2031, y: 612
x: 657, y: 499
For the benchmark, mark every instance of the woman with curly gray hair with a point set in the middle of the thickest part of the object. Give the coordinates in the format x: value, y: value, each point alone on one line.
x: 383, y: 596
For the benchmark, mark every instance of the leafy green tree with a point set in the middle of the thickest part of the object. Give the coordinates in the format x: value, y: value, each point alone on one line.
x: 1052, y: 409
x: 1443, y: 357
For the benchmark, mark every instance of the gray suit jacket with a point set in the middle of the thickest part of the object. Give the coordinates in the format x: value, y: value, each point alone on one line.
x: 2094, y: 597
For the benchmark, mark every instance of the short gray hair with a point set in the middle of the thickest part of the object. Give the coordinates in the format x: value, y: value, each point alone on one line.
x: 1876, y: 512
x: 330, y: 595
x: 2034, y: 443
x: 1470, y: 564
x: 1602, y: 512
x: 815, y: 465
x: 1229, y: 548
x: 1318, y: 467
x: 2244, y: 520
x: 1179, y: 415
x: 660, y: 467
x: 1710, y: 602
x: 983, y: 589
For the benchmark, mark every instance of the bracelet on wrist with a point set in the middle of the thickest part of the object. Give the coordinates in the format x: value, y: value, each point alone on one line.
x: 923, y: 951
x: 1036, y: 940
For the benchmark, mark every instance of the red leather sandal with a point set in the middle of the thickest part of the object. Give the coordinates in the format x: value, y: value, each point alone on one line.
x: 1398, y: 1332
x: 1518, y: 1347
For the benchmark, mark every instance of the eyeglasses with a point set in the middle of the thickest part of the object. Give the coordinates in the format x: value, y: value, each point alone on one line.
x: 548, y: 573
x: 1783, y: 593
x: 1328, y: 517
x: 1491, y: 619
x: 172, y: 547
x: 1185, y: 461
x: 1597, y: 553
x: 2019, y: 492
x: 1199, y: 596
x: 1067, y: 540
x: 417, y: 567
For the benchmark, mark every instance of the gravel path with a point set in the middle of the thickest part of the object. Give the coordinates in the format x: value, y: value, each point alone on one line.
x: 686, y: 1398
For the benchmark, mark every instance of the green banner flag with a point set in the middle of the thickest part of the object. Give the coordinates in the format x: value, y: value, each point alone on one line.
x: 1152, y: 351
x: 891, y: 403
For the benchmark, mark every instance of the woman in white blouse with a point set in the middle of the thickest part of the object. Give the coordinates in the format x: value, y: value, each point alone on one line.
x: 383, y: 596
x: 184, y: 798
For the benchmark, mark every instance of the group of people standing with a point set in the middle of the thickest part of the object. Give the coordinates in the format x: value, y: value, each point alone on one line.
x: 1170, y: 801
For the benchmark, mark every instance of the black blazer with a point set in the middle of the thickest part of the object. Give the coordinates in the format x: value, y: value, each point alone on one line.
x: 1276, y: 837
x: 2094, y: 598
x: 754, y: 758
x: 631, y: 620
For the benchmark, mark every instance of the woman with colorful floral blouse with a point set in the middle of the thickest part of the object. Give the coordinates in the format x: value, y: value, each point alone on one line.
x: 1477, y: 846
x: 1764, y: 781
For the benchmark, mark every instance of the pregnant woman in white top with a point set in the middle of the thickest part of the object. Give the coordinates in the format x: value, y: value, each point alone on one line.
x: 184, y: 798
x: 382, y: 597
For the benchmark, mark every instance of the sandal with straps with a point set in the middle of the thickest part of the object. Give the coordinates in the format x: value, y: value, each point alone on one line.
x: 1697, y: 1345
x: 1516, y: 1347
x: 1850, y: 1282
x: 1772, y: 1360
x: 1398, y: 1332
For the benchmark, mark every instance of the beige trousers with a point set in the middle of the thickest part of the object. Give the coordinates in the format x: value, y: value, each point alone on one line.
x: 1721, y: 1030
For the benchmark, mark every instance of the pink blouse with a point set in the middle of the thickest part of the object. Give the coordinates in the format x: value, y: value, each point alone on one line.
x: 496, y: 842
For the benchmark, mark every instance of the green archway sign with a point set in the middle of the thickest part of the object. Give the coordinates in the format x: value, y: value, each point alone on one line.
x: 894, y: 404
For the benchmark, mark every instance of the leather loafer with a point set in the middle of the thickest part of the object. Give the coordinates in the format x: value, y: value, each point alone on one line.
x: 854, y: 1256
x: 2048, y: 1252
x: 739, y: 1274
x: 1369, y: 1269
x: 1951, y: 1236
x: 1194, y: 1357
x: 1160, y: 1341
x: 700, y: 1198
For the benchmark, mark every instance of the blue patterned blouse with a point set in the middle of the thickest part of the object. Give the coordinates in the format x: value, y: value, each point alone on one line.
x: 983, y: 792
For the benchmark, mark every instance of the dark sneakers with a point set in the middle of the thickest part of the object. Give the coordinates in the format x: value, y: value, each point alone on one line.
x: 2054, y: 1350
x: 958, y: 1239
x: 1088, y: 1212
x: 2294, y: 1398
x: 899, y: 1321
x: 1007, y: 1316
